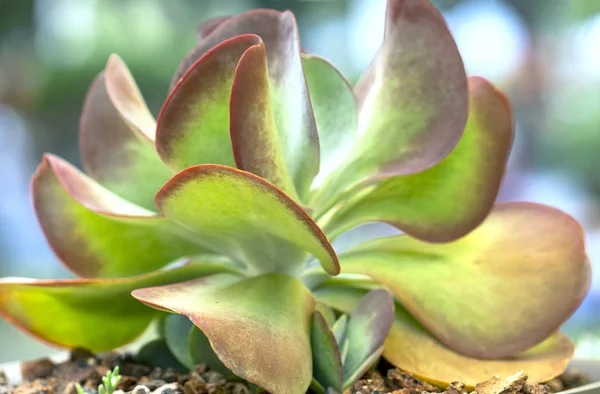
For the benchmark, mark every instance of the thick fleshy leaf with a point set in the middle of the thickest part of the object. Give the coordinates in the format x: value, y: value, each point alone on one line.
x: 193, y: 125
x: 97, y: 234
x: 116, y: 137
x: 177, y: 330
x: 256, y: 143
x: 294, y: 118
x: 259, y: 327
x: 247, y: 216
x: 327, y: 363
x: 410, y: 347
x: 335, y: 112
x: 158, y: 354
x: 209, y: 26
x: 368, y: 326
x: 202, y: 353
x: 450, y: 199
x: 525, y: 260
x: 68, y: 313
x: 339, y: 329
x: 414, y: 100
x: 327, y: 313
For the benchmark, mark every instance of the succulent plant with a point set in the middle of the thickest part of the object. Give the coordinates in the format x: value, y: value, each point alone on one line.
x: 261, y: 156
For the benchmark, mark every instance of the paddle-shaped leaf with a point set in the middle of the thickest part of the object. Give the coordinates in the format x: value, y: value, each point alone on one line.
x: 413, y: 98
x: 68, y: 313
x: 335, y: 112
x: 368, y: 326
x: 256, y: 143
x: 177, y: 330
x: 92, y: 230
x: 193, y: 125
x: 410, y: 347
x: 293, y: 113
x: 116, y: 137
x: 447, y: 201
x: 327, y: 362
x: 500, y: 290
x: 247, y: 217
x: 209, y: 26
x: 202, y: 353
x: 259, y: 327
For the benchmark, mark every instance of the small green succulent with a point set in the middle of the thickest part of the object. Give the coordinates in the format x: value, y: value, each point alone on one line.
x: 261, y: 156
x: 109, y: 383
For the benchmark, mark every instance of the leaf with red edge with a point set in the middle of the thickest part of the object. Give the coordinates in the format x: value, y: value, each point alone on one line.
x: 246, y: 217
x: 294, y: 118
x: 328, y: 370
x: 98, y: 314
x: 209, y: 26
x: 368, y: 326
x: 524, y: 260
x: 259, y: 327
x: 449, y: 200
x: 256, y: 143
x: 97, y: 234
x: 193, y: 125
x: 116, y: 137
x: 413, y: 98
x: 411, y: 348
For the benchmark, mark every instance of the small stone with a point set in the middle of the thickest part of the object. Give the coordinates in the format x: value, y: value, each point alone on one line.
x: 140, y: 390
x: 397, y: 380
x: 456, y: 388
x: 536, y: 389
x: 42, y: 368
x: 127, y: 382
x: 155, y: 383
x: 81, y: 354
x: 135, y: 370
x: 171, y: 388
x: 555, y: 385
x: 35, y: 387
x: 169, y: 376
x: 195, y: 386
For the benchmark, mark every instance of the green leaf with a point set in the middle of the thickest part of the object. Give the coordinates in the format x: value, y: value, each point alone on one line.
x: 193, y: 125
x: 96, y: 233
x: 177, y: 331
x: 327, y: 363
x: 363, y: 367
x: 117, y: 137
x: 209, y: 26
x: 412, y: 99
x: 450, y: 199
x: 247, y: 217
x: 158, y: 354
x: 259, y: 327
x: 340, y: 328
x: 294, y: 118
x: 256, y: 144
x: 335, y: 112
x: 201, y: 352
x: 327, y: 313
x: 411, y: 348
x: 368, y: 326
x: 525, y: 260
x: 67, y: 313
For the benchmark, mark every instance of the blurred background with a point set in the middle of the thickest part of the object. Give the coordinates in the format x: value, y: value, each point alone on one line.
x: 545, y: 54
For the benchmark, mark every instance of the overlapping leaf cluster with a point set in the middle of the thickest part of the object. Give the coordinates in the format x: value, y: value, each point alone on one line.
x: 260, y: 157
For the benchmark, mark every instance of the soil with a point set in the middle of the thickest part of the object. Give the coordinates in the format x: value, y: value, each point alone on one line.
x: 44, y: 377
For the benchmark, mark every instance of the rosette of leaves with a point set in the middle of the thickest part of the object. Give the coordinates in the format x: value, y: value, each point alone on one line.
x: 261, y: 156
